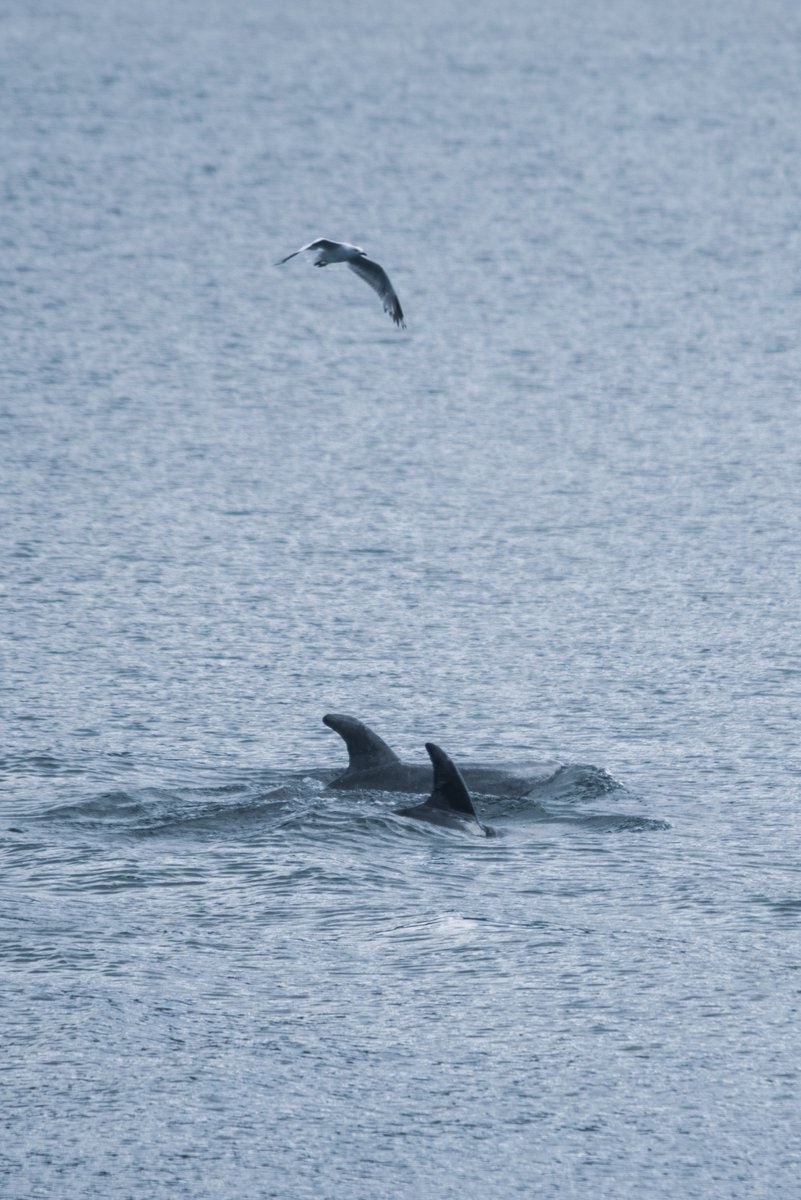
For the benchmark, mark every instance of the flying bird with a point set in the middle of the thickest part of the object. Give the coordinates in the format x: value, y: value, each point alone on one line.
x: 356, y: 258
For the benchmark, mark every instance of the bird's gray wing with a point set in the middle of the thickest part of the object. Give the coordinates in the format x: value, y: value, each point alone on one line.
x: 319, y: 244
x: 378, y: 279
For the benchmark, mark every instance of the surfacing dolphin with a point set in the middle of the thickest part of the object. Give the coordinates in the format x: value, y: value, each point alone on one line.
x: 372, y: 764
x: 356, y: 258
x: 449, y: 803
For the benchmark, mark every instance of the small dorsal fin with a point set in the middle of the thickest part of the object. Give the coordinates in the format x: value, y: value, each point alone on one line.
x: 449, y: 791
x: 366, y: 750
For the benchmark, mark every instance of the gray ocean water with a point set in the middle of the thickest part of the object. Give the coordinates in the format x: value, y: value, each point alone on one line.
x: 555, y: 521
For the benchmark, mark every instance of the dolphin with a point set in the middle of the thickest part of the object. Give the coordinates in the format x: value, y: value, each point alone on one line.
x: 372, y: 764
x: 449, y: 803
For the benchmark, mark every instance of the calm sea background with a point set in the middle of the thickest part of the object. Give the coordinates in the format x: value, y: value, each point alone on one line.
x: 556, y: 519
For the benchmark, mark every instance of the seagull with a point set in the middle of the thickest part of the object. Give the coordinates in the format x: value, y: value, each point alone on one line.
x: 365, y: 268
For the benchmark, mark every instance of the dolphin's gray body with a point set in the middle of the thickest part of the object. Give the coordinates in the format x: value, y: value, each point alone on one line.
x: 449, y: 803
x: 372, y: 764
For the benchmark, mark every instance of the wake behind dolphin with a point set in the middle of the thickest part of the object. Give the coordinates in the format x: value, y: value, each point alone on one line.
x: 373, y: 764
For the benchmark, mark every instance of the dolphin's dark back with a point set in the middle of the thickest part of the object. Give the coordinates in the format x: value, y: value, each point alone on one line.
x: 366, y: 750
x: 372, y: 765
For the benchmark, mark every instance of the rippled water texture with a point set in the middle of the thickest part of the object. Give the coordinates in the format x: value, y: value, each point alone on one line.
x: 556, y: 521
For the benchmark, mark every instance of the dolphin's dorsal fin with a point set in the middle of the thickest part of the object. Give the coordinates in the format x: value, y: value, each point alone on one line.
x: 366, y: 750
x: 449, y: 791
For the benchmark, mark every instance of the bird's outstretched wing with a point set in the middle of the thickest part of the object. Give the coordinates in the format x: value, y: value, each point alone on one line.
x: 318, y: 244
x: 378, y: 279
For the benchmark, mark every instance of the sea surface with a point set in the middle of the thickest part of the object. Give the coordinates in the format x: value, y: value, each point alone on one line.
x: 555, y: 521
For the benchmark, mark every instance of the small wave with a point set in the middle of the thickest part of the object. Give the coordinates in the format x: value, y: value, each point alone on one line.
x: 109, y: 807
x: 41, y: 764
x: 578, y: 781
x: 563, y: 798
x: 787, y: 906
x: 618, y: 823
x: 567, y: 786
x: 150, y: 812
